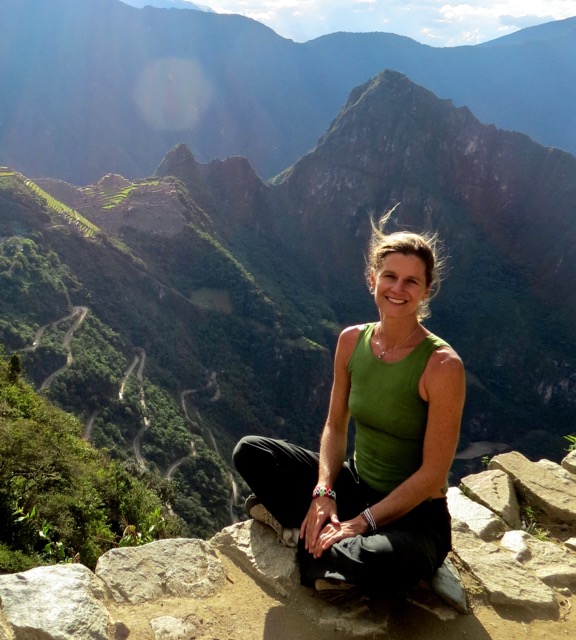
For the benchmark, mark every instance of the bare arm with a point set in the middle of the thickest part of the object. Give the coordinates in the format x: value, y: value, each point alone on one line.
x: 333, y: 440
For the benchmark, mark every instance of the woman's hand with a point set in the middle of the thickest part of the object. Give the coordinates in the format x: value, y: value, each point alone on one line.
x: 321, y: 511
x: 334, y: 531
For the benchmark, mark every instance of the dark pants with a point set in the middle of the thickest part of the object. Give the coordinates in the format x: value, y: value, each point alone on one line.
x: 399, y: 554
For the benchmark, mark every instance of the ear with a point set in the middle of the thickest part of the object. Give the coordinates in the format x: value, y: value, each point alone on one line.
x: 372, y: 282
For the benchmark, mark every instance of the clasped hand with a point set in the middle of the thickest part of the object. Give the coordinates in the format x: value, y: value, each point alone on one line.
x: 322, y: 528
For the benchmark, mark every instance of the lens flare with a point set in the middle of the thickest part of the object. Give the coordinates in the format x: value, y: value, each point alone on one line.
x: 172, y: 94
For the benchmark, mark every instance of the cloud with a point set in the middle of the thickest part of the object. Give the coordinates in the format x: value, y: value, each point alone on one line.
x: 436, y: 22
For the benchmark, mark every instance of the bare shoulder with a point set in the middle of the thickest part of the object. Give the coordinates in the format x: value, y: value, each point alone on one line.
x: 444, y: 372
x: 445, y: 358
x: 348, y: 339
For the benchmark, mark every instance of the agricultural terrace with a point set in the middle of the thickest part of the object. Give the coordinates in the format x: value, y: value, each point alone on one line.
x: 71, y: 215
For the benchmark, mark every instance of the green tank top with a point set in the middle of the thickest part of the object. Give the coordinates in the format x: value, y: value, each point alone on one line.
x: 389, y: 414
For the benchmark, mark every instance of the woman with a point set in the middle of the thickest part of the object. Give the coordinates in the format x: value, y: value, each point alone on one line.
x: 380, y: 520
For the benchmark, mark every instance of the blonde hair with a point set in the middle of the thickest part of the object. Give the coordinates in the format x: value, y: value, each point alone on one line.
x: 422, y: 245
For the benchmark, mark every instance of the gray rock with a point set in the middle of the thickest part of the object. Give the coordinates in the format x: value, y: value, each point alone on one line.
x: 61, y: 602
x: 515, y: 542
x: 486, y: 524
x: 495, y: 490
x: 447, y: 584
x: 254, y: 546
x: 569, y: 462
x: 505, y: 581
x: 554, y: 565
x: 170, y: 628
x: 571, y: 544
x: 178, y: 567
x: 551, y: 492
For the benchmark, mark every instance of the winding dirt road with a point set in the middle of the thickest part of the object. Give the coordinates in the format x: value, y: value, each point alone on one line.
x: 76, y: 311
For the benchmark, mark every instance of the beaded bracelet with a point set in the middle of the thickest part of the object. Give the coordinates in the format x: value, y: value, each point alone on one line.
x: 367, y: 515
x: 320, y: 492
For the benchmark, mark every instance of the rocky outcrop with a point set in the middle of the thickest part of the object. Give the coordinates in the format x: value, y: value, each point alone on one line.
x: 498, y: 548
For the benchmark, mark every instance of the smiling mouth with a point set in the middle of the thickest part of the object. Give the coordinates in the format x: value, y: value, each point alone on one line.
x: 395, y: 300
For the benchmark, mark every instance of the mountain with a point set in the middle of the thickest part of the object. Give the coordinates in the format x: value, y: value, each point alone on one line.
x: 176, y: 313
x: 89, y: 87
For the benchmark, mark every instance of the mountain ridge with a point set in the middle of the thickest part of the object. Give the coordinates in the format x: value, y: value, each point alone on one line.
x: 133, y: 74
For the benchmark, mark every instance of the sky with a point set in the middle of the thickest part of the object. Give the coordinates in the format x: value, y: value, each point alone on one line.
x: 439, y: 23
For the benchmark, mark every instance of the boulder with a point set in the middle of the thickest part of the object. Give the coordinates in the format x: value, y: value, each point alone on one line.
x: 254, y: 547
x: 61, y: 602
x: 177, y: 567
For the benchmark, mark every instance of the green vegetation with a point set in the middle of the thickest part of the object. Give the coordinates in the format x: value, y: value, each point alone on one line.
x: 60, y: 498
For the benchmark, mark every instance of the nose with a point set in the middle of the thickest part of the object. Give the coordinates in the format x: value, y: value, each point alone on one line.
x: 398, y: 285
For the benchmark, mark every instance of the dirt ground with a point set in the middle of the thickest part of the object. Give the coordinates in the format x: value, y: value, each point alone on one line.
x: 245, y: 610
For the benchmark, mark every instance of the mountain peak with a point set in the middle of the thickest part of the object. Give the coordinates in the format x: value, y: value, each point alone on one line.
x: 179, y: 162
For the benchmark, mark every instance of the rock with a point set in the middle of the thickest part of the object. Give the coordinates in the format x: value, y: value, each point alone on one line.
x: 550, y: 491
x: 569, y: 462
x: 170, y: 628
x: 255, y: 547
x: 515, y: 541
x: 571, y: 544
x: 447, y: 584
x: 495, y: 490
x: 505, y: 581
x: 178, y: 567
x: 486, y: 524
x: 554, y: 565
x: 61, y: 602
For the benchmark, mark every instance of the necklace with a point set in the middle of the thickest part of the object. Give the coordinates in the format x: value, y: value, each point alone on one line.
x: 384, y: 352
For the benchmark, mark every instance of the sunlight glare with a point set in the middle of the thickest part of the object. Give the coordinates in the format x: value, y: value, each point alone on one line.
x: 172, y: 94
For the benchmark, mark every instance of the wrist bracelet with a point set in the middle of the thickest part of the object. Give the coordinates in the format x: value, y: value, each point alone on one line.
x: 367, y: 515
x: 321, y: 491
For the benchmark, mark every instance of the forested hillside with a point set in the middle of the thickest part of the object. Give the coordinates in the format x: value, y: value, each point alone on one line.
x: 164, y: 346
x: 61, y: 499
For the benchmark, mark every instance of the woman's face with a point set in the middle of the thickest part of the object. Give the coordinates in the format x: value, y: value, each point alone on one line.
x: 399, y: 285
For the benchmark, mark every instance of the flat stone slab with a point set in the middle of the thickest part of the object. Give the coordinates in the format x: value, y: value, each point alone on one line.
x: 494, y: 489
x: 505, y: 580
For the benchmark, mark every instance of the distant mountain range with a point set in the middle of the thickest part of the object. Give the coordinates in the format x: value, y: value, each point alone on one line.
x: 166, y: 4
x: 210, y: 301
x: 89, y: 87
